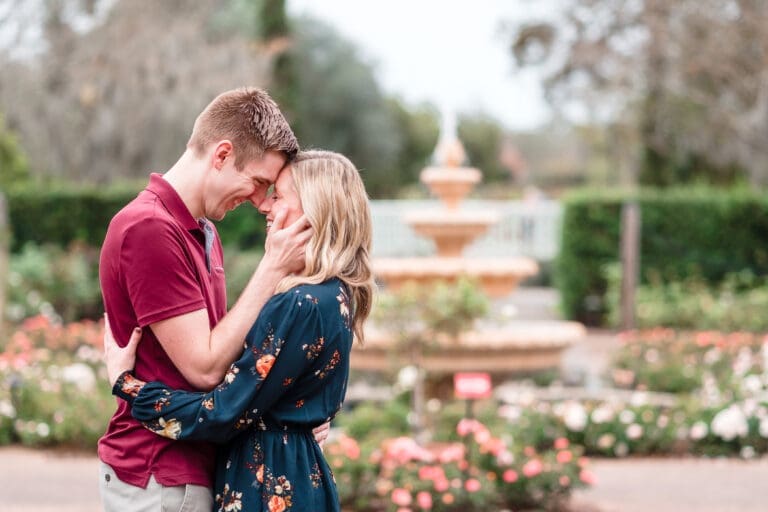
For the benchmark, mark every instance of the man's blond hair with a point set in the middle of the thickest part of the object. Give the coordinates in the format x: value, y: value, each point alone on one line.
x: 250, y: 120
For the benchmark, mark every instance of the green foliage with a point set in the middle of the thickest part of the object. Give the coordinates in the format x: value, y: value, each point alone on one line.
x: 61, y: 215
x: 49, y: 280
x: 420, y: 313
x: 420, y: 130
x: 738, y: 302
x: 239, y: 267
x: 339, y: 106
x: 482, y: 136
x: 13, y: 164
x: 685, y: 232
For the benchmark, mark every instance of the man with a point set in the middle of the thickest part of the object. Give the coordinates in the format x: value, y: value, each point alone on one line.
x: 161, y: 268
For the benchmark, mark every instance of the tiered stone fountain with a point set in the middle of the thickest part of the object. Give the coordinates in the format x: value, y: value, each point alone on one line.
x: 501, y: 349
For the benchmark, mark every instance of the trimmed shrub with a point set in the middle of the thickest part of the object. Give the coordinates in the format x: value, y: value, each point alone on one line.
x: 62, y: 215
x: 699, y: 232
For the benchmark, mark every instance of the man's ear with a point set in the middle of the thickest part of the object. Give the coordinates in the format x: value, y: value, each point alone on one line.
x: 221, y: 152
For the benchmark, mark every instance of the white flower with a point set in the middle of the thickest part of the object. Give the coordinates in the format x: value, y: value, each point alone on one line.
x: 747, y: 452
x: 621, y: 449
x: 575, y: 417
x: 434, y: 405
x: 699, y: 430
x: 7, y: 409
x: 662, y: 421
x: 712, y: 356
x: 634, y: 431
x: 510, y: 413
x: 626, y: 416
x: 730, y: 423
x: 605, y: 441
x: 79, y: 374
x: 752, y: 384
x: 639, y: 398
x: 602, y: 414
x: 764, y: 427
x: 407, y: 376
x: 43, y: 430
x: 743, y: 362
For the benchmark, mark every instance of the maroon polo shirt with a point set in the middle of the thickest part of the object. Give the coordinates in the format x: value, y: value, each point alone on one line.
x: 153, y: 267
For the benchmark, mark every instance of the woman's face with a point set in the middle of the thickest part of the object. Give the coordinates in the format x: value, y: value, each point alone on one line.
x: 283, y: 197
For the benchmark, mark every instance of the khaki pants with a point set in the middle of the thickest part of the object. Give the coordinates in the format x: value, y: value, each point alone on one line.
x: 118, y: 496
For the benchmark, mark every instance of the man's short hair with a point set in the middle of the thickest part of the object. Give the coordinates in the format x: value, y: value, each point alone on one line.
x: 248, y: 118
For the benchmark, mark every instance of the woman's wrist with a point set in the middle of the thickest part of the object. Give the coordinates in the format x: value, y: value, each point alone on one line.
x: 127, y: 386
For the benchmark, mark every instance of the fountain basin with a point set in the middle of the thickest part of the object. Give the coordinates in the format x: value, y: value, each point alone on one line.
x: 451, y: 230
x: 450, y: 184
x: 500, y: 351
x: 497, y: 277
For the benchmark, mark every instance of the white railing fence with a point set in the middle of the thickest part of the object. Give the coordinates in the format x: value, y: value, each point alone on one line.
x: 526, y: 228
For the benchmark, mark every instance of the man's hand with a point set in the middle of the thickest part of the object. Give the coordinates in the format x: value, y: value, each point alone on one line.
x: 285, y: 247
x: 321, y: 433
x: 117, y: 358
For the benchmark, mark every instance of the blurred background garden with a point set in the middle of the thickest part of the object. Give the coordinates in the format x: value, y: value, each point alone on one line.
x: 636, y: 196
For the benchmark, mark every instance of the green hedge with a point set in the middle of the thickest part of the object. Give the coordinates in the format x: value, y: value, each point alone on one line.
x: 699, y: 232
x: 62, y: 215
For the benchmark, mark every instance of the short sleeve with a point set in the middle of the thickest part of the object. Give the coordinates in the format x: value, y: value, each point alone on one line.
x: 158, y: 272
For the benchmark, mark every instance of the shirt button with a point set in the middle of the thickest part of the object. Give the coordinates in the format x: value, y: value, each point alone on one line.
x: 107, y: 478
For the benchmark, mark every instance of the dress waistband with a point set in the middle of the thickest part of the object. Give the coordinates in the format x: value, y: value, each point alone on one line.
x: 274, y: 427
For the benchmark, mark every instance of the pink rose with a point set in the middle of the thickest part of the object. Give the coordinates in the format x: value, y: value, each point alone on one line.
x: 424, y: 500
x: 532, y: 468
x: 472, y: 485
x: 401, y: 497
x: 510, y: 476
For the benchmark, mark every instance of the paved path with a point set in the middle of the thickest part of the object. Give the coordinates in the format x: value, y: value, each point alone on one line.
x: 676, y: 485
x: 41, y: 481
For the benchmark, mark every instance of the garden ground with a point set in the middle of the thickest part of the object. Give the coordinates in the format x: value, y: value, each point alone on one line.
x: 43, y: 481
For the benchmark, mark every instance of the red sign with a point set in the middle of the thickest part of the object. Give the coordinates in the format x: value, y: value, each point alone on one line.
x: 472, y: 385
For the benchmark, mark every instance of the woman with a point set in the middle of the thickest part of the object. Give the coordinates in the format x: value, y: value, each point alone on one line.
x: 293, y: 373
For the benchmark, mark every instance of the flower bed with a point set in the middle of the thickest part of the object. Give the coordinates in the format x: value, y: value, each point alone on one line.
x: 53, y: 386
x: 479, y: 472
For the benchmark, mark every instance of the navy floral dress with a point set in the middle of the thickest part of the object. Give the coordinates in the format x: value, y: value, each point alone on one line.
x: 291, y: 378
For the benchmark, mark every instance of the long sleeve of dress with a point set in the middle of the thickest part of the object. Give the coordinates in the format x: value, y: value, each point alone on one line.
x: 284, y: 342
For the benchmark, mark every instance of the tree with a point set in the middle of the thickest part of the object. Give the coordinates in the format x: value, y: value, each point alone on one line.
x: 420, y: 129
x: 342, y: 107
x: 482, y: 137
x: 118, y: 100
x: 13, y: 163
x: 690, y: 77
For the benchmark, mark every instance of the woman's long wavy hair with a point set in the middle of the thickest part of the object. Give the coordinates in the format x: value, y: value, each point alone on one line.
x: 335, y: 202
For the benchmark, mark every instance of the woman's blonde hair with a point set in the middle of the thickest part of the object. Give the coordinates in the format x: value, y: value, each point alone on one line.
x: 335, y: 202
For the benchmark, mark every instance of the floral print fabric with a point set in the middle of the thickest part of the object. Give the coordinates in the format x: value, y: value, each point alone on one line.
x: 291, y: 378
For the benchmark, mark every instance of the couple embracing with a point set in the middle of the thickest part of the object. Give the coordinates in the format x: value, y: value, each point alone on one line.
x: 226, y: 410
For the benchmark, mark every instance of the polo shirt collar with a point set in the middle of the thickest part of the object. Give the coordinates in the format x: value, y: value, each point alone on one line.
x: 172, y: 201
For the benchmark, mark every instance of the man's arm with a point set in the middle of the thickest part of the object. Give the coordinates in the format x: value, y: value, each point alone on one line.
x: 203, y: 355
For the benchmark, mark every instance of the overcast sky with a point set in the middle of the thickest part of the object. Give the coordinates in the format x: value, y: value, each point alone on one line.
x: 452, y: 53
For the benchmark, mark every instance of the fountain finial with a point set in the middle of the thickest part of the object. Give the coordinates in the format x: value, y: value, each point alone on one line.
x: 450, y: 153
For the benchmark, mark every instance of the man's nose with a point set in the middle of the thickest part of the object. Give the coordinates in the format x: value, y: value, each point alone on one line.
x: 263, y: 204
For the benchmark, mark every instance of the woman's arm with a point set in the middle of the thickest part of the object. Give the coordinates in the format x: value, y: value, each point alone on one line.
x: 276, y: 354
